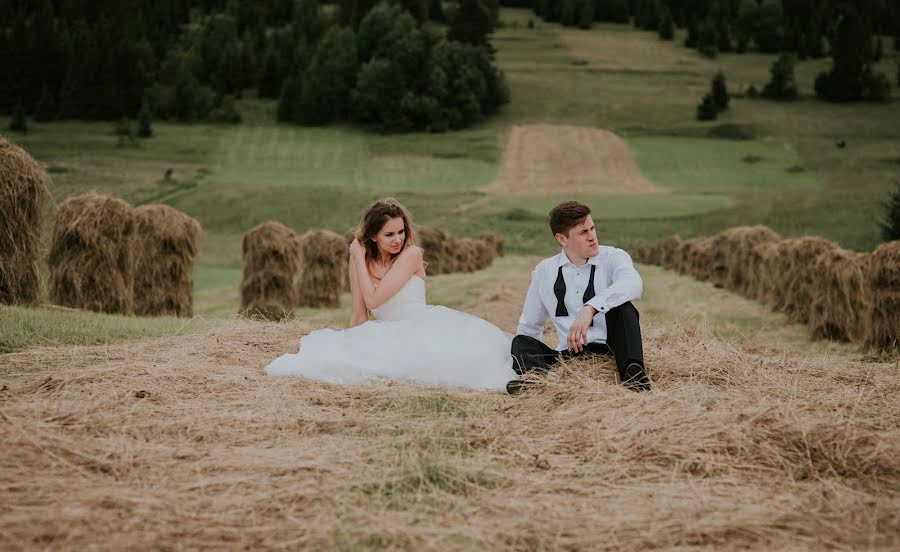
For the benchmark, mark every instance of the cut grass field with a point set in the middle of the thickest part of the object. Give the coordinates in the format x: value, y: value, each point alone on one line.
x: 166, y: 434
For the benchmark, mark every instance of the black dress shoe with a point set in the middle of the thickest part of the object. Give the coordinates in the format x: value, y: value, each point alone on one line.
x: 635, y: 378
x: 514, y: 387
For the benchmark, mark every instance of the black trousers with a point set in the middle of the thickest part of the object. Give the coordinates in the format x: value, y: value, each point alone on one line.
x: 623, y: 340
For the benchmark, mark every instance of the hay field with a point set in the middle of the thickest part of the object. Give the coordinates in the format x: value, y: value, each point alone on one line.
x: 185, y: 443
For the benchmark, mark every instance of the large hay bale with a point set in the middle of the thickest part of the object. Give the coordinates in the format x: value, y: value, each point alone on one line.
x: 799, y: 275
x: 739, y: 257
x: 883, y: 270
x: 91, y: 260
x: 166, y: 246
x: 768, y: 273
x: 697, y: 258
x: 438, y: 247
x: 643, y: 252
x: 466, y: 253
x: 23, y: 194
x: 496, y: 241
x: 485, y: 252
x: 271, y: 253
x: 841, y: 304
x: 323, y: 253
x: 668, y: 251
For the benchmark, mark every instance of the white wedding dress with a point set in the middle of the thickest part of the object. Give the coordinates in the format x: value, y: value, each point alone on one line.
x: 408, y: 341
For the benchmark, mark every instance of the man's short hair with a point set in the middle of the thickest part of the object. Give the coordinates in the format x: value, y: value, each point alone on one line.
x: 567, y: 215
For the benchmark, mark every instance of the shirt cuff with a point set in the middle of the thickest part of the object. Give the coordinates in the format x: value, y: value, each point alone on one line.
x: 599, y: 305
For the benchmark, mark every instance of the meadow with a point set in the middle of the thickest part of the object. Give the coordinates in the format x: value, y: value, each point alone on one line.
x: 166, y: 433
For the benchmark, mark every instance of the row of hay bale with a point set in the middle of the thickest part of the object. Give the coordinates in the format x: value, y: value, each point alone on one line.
x: 106, y: 255
x: 283, y: 271
x: 842, y: 295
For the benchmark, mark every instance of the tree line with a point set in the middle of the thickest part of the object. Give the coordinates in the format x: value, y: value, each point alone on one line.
x: 850, y: 31
x: 188, y: 60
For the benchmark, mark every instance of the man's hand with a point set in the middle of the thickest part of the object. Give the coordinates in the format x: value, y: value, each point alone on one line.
x: 577, y: 337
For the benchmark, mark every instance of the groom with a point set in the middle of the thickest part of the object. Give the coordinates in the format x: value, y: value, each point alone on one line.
x: 587, y: 291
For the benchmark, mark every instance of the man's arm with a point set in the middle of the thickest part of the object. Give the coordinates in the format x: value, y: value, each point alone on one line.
x: 534, y: 315
x: 626, y: 284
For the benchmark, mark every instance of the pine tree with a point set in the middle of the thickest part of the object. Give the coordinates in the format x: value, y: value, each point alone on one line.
x: 569, y: 13
x: 472, y: 24
x: 878, y: 49
x: 782, y: 85
x: 18, y: 123
x: 45, y: 110
x: 145, y: 130
x: 707, y: 110
x: 850, y: 63
x: 666, y: 25
x: 719, y: 91
x: 890, y: 227
x: 586, y: 18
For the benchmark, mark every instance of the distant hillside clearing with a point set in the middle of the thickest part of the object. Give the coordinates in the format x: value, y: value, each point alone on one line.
x: 542, y: 159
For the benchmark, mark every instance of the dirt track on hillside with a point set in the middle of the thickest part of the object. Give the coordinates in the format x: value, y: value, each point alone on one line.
x: 556, y: 159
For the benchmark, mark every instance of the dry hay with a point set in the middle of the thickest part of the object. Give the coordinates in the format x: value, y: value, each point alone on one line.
x: 439, y: 250
x: 466, y: 254
x: 91, y: 261
x: 186, y: 443
x: 271, y: 253
x: 768, y: 260
x: 496, y: 241
x: 883, y: 330
x: 739, y: 258
x: 485, y: 253
x: 697, y: 258
x: 668, y: 252
x: 800, y: 277
x: 643, y: 252
x: 567, y: 160
x: 324, y: 255
x: 840, y: 307
x: 164, y: 261
x: 23, y: 194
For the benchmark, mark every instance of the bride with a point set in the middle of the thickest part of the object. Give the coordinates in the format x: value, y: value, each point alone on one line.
x: 408, y: 340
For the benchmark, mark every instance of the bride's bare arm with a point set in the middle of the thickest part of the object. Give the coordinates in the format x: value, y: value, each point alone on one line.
x: 359, y: 314
x: 409, y: 262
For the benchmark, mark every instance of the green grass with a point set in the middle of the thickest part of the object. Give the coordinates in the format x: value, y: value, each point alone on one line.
x: 26, y: 327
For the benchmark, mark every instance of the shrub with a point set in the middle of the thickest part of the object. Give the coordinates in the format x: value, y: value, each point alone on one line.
x: 18, y: 122
x: 719, y: 91
x: 707, y: 110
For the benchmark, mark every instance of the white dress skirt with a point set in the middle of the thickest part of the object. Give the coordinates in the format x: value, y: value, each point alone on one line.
x: 408, y: 341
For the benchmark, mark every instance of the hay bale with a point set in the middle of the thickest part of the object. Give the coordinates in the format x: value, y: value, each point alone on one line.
x: 739, y: 256
x: 799, y: 281
x: 23, y: 194
x: 439, y: 250
x: 324, y: 255
x: 668, y: 251
x: 883, y: 270
x: 164, y: 261
x: 466, y: 253
x: 840, y: 308
x: 485, y: 252
x: 271, y: 253
x: 496, y: 241
x: 763, y: 273
x: 697, y: 260
x: 91, y: 260
x: 641, y: 252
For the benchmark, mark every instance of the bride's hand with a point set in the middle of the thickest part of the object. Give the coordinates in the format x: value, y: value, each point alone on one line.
x: 357, y: 250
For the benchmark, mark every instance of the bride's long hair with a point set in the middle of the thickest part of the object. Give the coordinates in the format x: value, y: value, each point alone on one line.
x: 373, y: 220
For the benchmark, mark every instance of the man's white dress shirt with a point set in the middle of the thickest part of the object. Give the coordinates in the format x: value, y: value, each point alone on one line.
x: 615, y: 282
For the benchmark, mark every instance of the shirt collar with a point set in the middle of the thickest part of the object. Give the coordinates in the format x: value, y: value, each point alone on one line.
x: 562, y: 259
